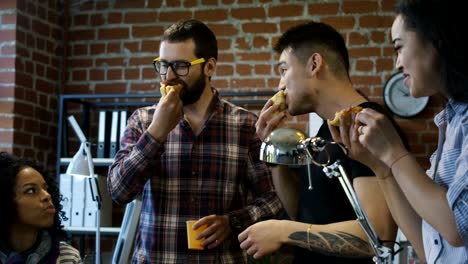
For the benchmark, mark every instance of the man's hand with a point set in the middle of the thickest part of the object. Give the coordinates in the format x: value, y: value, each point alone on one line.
x: 262, y: 238
x: 217, y: 230
x: 166, y: 116
x: 270, y: 118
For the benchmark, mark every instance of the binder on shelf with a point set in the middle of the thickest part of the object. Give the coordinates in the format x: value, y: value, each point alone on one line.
x: 66, y: 192
x: 113, y: 134
x: 123, y: 124
x: 78, y: 200
x: 90, y: 207
x: 101, y: 134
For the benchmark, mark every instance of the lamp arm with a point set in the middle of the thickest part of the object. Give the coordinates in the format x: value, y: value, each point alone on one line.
x: 383, y: 254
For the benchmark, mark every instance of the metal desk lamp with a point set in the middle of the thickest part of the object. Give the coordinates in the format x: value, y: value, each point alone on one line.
x: 289, y: 146
x: 82, y: 165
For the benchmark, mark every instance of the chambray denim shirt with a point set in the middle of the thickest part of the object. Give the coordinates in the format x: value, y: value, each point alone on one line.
x: 450, y: 162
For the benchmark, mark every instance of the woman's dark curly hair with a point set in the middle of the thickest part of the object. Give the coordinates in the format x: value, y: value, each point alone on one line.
x: 10, y: 166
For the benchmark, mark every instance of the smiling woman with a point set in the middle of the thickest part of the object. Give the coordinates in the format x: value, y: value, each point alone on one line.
x: 30, y: 228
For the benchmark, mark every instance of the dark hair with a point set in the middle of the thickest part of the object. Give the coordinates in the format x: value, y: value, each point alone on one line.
x: 443, y: 24
x: 310, y: 37
x: 206, y: 45
x: 10, y: 166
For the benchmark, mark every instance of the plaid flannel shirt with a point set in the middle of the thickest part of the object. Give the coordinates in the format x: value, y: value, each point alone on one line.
x: 189, y: 177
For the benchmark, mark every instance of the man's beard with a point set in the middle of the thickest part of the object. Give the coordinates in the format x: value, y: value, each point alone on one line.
x: 191, y: 94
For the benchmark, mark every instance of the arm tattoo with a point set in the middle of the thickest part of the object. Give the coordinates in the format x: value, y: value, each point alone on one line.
x: 334, y: 244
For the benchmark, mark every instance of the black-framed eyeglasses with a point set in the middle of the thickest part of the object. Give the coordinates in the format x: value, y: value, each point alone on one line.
x: 180, y: 67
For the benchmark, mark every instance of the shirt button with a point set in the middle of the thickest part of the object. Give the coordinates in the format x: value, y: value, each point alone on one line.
x: 436, y: 241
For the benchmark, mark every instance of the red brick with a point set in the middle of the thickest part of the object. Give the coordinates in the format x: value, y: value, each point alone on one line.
x: 132, y: 74
x: 190, y: 3
x: 375, y: 21
x: 147, y: 31
x: 142, y: 61
x: 79, y: 75
x: 149, y: 73
x: 259, y: 27
x: 247, y: 83
x: 286, y: 24
x: 84, y: 34
x: 241, y: 44
x: 112, y: 87
x: 378, y: 37
x: 110, y: 62
x: 224, y: 70
x: 339, y: 23
x: 114, y: 18
x: 211, y: 15
x: 7, y: 63
x: 174, y: 16
x: 80, y: 49
x: 356, y: 38
x: 285, y: 11
x: 133, y: 46
x: 113, y: 33
x: 224, y: 44
x: 257, y: 56
x: 7, y: 77
x: 7, y: 35
x: 384, y: 64
x: 174, y: 3
x: 323, y: 9
x: 141, y: 17
x: 113, y: 47
x: 143, y: 87
x: 260, y: 42
x: 126, y: 4
x: 209, y: 2
x: 244, y: 69
x: 8, y: 19
x: 359, y: 6
x: 364, y: 65
x: 97, y: 20
x: 96, y: 74
x: 225, y: 57
x: 223, y: 29
x: 6, y: 122
x: 154, y: 3
x: 114, y: 74
x: 366, y: 80
x: 364, y: 52
x: 218, y: 83
x: 8, y: 4
x: 388, y: 5
x: 80, y: 20
x: 248, y: 13
x: 8, y: 50
x: 263, y: 69
x: 6, y: 136
x: 97, y: 49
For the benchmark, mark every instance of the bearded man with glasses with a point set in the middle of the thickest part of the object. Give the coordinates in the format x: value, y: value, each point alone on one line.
x: 193, y: 156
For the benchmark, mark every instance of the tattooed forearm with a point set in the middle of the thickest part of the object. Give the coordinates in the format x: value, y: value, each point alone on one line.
x: 339, y: 244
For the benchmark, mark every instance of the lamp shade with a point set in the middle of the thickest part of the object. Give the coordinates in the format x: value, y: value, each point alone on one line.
x: 79, y: 163
x: 285, y: 146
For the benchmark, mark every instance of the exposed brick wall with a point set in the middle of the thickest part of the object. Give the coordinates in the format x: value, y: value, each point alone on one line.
x: 30, y: 59
x: 111, y: 45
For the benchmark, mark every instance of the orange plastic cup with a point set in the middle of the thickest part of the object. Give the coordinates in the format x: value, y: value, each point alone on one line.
x: 193, y: 243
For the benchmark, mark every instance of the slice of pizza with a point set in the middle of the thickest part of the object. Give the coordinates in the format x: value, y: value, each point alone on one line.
x: 164, y: 88
x: 279, y: 98
x: 343, y: 114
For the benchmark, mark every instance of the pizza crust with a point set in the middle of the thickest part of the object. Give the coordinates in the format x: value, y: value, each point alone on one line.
x: 344, y: 113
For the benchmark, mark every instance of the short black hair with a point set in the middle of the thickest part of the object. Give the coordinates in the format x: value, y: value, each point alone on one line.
x: 10, y: 166
x: 206, y: 45
x: 310, y: 37
x: 443, y: 24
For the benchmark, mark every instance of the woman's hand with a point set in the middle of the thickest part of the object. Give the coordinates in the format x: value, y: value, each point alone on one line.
x: 378, y: 135
x: 348, y: 135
